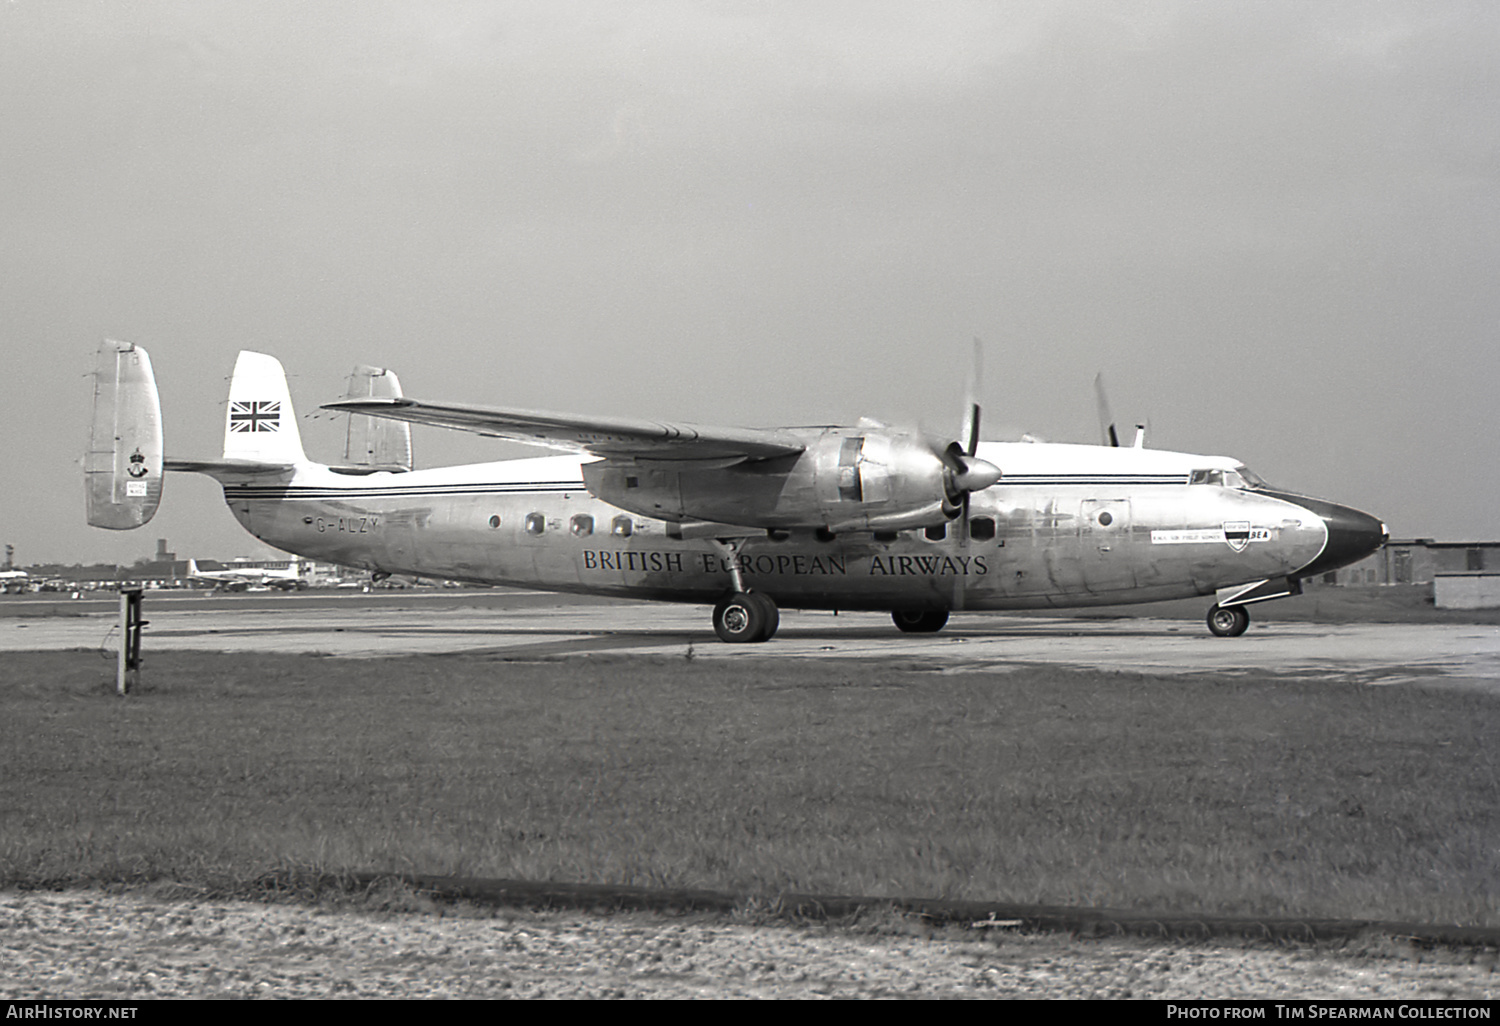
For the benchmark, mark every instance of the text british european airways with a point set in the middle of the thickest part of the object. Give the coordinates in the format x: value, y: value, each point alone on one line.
x: 624, y: 559
x: 928, y: 566
x: 786, y: 564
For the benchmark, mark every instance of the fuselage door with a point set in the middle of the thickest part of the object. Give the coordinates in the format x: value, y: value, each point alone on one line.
x: 1105, y: 538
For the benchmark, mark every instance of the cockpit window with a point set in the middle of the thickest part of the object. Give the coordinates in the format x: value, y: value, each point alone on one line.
x: 1252, y: 479
x: 1239, y: 477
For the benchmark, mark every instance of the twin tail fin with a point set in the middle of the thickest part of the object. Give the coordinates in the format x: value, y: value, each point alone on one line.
x: 124, y: 463
x: 259, y: 424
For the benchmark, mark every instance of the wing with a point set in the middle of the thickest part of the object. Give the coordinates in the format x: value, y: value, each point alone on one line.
x: 609, y: 437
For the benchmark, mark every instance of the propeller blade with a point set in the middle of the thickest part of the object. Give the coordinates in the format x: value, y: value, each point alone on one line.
x: 964, y: 472
x: 1106, y: 419
x: 969, y: 438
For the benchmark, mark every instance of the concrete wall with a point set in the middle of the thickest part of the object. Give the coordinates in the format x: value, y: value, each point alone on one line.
x: 1467, y: 590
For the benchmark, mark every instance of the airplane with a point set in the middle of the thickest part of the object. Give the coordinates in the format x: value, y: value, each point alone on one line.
x: 238, y: 578
x: 14, y: 580
x: 745, y: 520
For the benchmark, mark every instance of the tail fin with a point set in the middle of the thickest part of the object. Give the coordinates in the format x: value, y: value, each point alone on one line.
x: 375, y: 442
x: 260, y: 424
x: 123, y: 467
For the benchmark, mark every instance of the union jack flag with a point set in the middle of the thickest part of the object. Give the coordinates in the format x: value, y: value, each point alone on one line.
x: 255, y: 416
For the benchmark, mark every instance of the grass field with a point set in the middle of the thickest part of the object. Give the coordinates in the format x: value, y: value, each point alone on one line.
x: 1196, y: 795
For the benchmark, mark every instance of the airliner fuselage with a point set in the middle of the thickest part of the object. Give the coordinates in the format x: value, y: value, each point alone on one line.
x: 1069, y: 525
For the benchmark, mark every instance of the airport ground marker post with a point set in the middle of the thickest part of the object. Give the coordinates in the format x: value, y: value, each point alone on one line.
x: 128, y: 670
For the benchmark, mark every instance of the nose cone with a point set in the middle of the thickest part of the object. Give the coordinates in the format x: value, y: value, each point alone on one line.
x: 1352, y: 536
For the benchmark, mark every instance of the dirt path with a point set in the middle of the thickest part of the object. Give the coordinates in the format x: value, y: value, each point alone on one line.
x: 92, y: 945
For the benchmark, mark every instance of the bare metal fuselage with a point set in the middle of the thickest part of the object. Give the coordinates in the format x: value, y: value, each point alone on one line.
x: 1068, y: 526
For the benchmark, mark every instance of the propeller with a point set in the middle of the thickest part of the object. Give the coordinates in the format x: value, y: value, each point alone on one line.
x: 965, y: 473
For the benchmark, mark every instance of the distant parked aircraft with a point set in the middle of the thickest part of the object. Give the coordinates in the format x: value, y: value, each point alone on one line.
x: 240, y: 578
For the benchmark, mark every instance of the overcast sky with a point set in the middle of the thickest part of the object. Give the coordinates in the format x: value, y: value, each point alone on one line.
x: 1273, y: 226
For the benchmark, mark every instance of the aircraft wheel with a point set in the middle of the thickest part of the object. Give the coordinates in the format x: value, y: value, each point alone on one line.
x: 1228, y: 622
x: 773, y: 615
x: 745, y: 617
x: 910, y: 621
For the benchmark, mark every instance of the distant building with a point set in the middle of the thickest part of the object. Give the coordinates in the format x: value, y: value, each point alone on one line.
x: 1417, y: 561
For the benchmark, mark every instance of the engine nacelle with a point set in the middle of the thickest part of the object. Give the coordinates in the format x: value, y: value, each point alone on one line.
x: 846, y: 479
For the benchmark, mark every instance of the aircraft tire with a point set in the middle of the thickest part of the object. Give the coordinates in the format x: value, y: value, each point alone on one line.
x: 745, y: 617
x: 1228, y: 622
x: 773, y: 615
x: 926, y: 621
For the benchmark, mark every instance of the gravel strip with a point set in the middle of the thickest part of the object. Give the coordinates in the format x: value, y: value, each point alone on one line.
x: 92, y: 945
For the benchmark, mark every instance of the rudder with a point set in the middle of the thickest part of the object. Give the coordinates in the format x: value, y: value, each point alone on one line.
x: 122, y: 469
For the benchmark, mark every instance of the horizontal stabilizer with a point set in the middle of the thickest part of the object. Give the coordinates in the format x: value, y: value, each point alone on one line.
x: 231, y: 469
x: 123, y: 466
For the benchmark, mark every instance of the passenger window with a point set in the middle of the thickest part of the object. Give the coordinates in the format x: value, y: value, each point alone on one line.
x: 582, y: 525
x: 495, y: 520
x: 621, y: 527
x: 937, y: 533
x: 535, y: 523
x: 982, y: 528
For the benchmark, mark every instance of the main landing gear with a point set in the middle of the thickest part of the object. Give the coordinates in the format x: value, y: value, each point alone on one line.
x: 742, y: 615
x: 919, y: 621
x: 746, y: 616
x: 1228, y: 621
